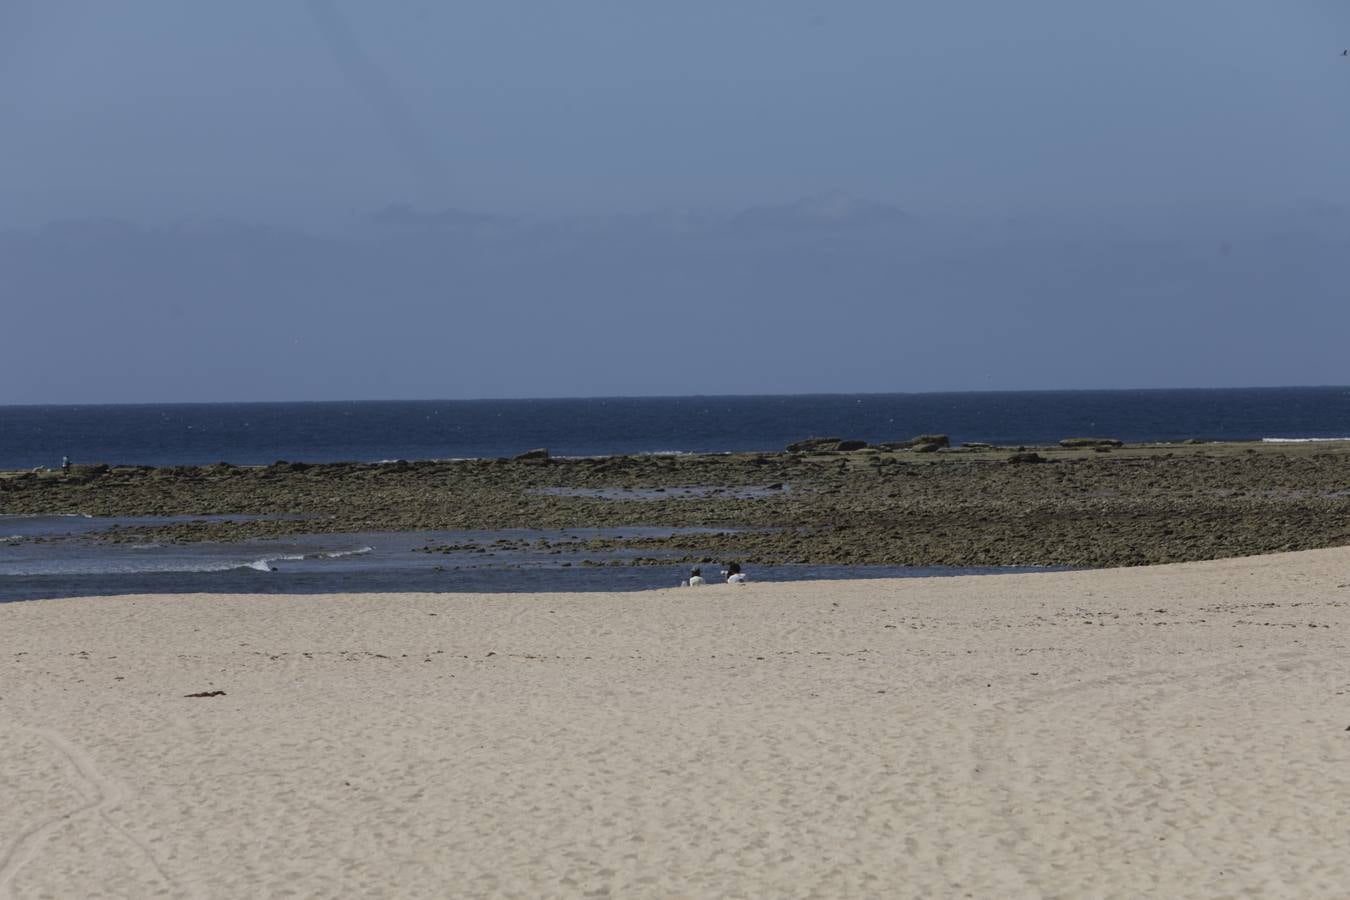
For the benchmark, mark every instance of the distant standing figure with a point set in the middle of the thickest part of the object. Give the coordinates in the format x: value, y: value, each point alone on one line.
x: 65, y: 464
x: 696, y: 577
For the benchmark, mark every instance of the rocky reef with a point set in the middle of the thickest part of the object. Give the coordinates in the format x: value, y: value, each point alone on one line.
x: 919, y: 502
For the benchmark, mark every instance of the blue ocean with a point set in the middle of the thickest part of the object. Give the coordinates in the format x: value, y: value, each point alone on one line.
x: 368, y: 431
x: 52, y: 556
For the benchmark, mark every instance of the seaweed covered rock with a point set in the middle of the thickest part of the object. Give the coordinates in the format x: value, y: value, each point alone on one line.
x: 813, y: 444
x: 1080, y: 442
x: 82, y: 473
x: 938, y: 441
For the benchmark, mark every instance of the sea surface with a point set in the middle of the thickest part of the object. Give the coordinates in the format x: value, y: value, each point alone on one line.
x: 369, y: 431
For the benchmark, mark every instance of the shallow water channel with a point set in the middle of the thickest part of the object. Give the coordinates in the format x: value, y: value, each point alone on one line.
x: 56, y: 556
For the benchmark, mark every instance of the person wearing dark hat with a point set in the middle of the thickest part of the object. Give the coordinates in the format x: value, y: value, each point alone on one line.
x: 696, y: 577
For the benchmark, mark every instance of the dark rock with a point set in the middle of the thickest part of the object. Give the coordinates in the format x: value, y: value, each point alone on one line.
x: 851, y: 445
x: 1090, y: 442
x: 1017, y: 459
x: 82, y: 473
x: 538, y: 453
x: 832, y: 512
x: 977, y: 445
x: 940, y: 440
x: 813, y: 444
x: 927, y: 447
x: 206, y: 694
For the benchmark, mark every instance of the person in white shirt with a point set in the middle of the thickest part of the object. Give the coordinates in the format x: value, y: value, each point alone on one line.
x: 696, y: 577
x: 733, y: 574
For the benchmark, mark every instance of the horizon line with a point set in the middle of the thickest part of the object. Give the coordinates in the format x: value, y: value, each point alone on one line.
x: 713, y: 396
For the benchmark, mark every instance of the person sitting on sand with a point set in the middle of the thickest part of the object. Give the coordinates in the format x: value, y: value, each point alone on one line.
x: 696, y: 577
x: 733, y: 574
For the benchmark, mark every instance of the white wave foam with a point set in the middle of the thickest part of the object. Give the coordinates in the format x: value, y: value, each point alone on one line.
x: 258, y: 565
x: 1312, y: 440
x: 268, y: 560
x: 360, y: 551
x: 45, y: 516
x: 150, y: 566
x: 138, y: 567
x: 339, y: 554
x: 264, y: 564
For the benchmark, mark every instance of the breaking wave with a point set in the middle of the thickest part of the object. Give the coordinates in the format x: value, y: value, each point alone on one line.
x: 45, y: 516
x: 1311, y: 440
x: 144, y: 566
x: 141, y: 567
x: 338, y: 554
x: 258, y: 565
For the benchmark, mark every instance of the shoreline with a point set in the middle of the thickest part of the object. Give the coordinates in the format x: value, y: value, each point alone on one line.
x: 974, y: 447
x: 1175, y: 730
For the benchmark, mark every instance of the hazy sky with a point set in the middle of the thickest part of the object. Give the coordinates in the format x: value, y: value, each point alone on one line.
x: 306, y: 110
x: 1071, y: 194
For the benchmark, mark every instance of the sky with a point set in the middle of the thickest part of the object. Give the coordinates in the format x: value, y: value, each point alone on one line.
x: 159, y: 108
x: 307, y: 116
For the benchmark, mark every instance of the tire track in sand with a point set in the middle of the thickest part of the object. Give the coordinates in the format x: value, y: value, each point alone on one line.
x: 101, y: 794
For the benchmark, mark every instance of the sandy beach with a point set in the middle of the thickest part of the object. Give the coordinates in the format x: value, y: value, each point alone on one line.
x: 1172, y: 731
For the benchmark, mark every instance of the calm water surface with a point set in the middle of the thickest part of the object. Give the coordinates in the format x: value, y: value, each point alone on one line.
x: 260, y: 433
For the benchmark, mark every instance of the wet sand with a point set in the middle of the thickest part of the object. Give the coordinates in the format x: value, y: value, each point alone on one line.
x: 1164, y: 731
